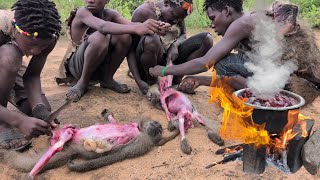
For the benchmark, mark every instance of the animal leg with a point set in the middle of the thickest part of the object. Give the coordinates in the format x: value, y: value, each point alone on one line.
x: 184, y: 145
x: 164, y: 105
x: 212, y: 134
x: 108, y: 116
x: 58, y: 140
x: 173, y: 124
x: 164, y: 140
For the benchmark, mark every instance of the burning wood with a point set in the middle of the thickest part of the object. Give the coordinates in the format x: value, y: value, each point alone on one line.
x: 230, y: 149
x: 273, y: 130
x: 230, y: 156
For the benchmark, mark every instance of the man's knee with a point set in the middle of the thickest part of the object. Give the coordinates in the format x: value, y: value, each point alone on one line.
x: 207, y: 41
x: 99, y: 40
x: 152, y: 43
x: 10, y: 65
x: 124, y: 40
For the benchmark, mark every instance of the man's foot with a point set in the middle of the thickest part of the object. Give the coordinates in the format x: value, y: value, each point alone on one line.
x: 115, y: 86
x: 187, y: 91
x: 75, y: 93
x: 13, y: 140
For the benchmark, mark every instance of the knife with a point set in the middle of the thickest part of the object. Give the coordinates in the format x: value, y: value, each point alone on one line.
x: 55, y: 114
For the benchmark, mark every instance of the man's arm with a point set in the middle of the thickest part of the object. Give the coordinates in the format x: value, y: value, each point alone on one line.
x: 31, y: 78
x: 139, y: 15
x: 172, y: 53
x: 10, y: 62
x: 237, y: 31
x: 107, y: 27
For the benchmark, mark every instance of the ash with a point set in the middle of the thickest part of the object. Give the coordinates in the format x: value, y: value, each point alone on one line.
x: 279, y: 161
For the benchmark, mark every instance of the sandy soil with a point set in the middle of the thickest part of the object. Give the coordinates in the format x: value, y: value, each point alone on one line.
x: 128, y: 106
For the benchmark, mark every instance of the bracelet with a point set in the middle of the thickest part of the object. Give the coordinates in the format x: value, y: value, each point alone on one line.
x: 163, y: 70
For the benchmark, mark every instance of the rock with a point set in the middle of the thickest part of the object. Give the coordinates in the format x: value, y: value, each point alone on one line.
x: 296, y: 144
x: 311, y: 153
x: 254, y: 159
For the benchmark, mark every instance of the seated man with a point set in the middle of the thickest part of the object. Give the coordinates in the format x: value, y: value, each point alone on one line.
x: 25, y: 33
x: 236, y: 28
x: 151, y: 50
x: 100, y: 42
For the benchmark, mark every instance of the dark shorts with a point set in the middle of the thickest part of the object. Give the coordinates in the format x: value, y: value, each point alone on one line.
x: 233, y: 65
x: 185, y: 49
x: 75, y: 63
x: 18, y: 93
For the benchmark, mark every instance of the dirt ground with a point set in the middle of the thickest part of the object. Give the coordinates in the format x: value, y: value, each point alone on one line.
x: 128, y: 106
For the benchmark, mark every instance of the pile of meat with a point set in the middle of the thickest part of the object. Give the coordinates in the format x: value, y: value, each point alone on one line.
x: 279, y: 100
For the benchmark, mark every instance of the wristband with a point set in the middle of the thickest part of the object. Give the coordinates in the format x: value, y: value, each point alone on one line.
x: 163, y: 70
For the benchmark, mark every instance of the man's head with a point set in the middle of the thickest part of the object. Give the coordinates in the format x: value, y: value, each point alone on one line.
x: 222, y: 13
x: 37, y: 24
x: 175, y: 11
x: 96, y: 6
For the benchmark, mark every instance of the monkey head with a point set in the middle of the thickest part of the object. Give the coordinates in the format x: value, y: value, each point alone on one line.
x: 152, y: 128
x: 153, y: 95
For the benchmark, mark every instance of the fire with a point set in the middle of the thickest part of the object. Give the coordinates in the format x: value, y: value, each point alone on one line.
x: 237, y: 122
x: 232, y: 150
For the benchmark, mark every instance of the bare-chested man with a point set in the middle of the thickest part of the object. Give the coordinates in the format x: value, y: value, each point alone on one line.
x: 237, y: 27
x: 151, y: 50
x: 100, y: 42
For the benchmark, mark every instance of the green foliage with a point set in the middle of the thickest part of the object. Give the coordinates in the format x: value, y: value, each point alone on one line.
x: 125, y: 7
x: 198, y: 18
x: 309, y: 9
x: 6, y: 4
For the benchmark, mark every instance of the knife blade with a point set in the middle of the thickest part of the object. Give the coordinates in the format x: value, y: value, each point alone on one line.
x: 55, y: 113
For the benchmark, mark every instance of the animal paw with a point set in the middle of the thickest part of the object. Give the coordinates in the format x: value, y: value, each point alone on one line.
x: 185, y: 147
x: 105, y: 113
x: 172, y: 125
x: 215, y: 138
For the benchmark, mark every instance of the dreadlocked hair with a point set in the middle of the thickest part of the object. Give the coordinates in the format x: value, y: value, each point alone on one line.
x: 221, y: 4
x: 39, y: 16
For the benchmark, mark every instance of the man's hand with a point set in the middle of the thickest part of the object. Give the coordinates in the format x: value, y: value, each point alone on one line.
x: 40, y: 111
x: 155, y: 71
x: 164, y: 27
x: 143, y: 86
x: 152, y: 26
x: 33, y: 127
x: 190, y: 83
x: 172, y: 53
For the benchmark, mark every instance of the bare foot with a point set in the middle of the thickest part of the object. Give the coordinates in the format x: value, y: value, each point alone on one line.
x: 76, y: 93
x: 115, y: 86
x: 11, y: 139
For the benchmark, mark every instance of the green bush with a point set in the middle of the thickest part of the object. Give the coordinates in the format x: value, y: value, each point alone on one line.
x: 309, y: 9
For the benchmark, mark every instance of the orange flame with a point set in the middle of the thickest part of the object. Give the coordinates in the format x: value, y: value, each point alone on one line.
x: 303, y: 124
x: 303, y: 117
x: 237, y: 123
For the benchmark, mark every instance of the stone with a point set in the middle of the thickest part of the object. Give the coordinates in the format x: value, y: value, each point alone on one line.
x: 254, y: 159
x: 311, y: 153
x: 296, y: 144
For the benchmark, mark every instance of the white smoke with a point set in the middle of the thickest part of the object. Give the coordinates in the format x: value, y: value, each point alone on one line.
x: 269, y: 75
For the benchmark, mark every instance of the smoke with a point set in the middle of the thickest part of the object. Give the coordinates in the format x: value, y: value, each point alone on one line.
x: 269, y: 75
